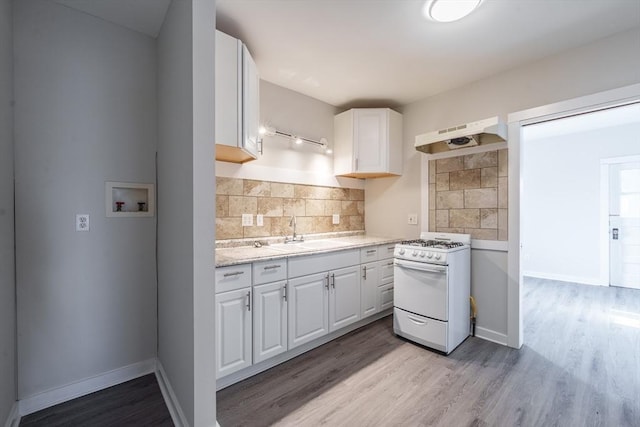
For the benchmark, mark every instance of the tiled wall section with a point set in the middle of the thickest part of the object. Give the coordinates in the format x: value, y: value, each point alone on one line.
x: 468, y: 194
x: 313, y: 207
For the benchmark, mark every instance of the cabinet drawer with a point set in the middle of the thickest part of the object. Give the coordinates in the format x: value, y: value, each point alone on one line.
x: 368, y: 254
x: 423, y: 330
x: 269, y: 271
x: 310, y: 264
x: 233, y: 277
x: 386, y: 251
x: 386, y: 270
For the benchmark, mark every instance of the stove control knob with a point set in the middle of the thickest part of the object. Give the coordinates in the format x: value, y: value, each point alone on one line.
x: 438, y: 256
x: 430, y: 255
x: 415, y: 253
x: 401, y: 251
x: 422, y: 254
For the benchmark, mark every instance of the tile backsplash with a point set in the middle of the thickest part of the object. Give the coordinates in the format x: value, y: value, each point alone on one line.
x: 468, y: 194
x: 313, y: 207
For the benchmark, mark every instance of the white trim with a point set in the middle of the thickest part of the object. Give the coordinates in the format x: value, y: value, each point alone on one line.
x: 68, y: 392
x: 13, y: 420
x: 604, y: 222
x: 566, y: 278
x: 597, y: 101
x: 489, y: 335
x: 170, y: 399
x: 290, y: 176
x: 464, y: 151
x: 490, y: 245
x: 623, y: 159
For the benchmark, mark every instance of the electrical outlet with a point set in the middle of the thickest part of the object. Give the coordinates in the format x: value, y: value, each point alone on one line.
x: 412, y: 219
x: 82, y: 222
x: 247, y: 220
x: 259, y: 220
x: 335, y: 219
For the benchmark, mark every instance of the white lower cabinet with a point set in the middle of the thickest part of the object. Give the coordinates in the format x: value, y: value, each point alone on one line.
x: 308, y: 310
x: 369, y: 283
x: 344, y: 297
x: 269, y: 320
x: 233, y: 331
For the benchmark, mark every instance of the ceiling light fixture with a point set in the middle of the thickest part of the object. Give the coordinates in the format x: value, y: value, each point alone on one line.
x: 449, y: 10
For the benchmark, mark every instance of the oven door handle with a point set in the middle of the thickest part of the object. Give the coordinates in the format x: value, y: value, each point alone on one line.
x: 419, y: 266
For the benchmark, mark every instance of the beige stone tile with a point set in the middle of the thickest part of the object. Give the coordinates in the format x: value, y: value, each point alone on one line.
x: 270, y: 206
x: 503, y: 162
x: 229, y: 186
x: 356, y: 194
x: 481, y: 198
x: 360, y: 207
x: 442, y: 181
x: 432, y: 196
x: 503, y: 224
x: 281, y: 190
x: 442, y: 218
x: 239, y: 205
x: 332, y: 207
x: 228, y: 228
x: 280, y: 227
x: 503, y: 192
x: 460, y: 180
x: 488, y: 218
x: 432, y: 220
x: 304, y: 225
x: 432, y: 171
x: 449, y: 164
x: 482, y: 233
x: 293, y: 207
x: 323, y: 193
x: 255, y: 231
x: 450, y: 199
x: 222, y: 206
x: 481, y: 160
x: 314, y: 207
x: 450, y: 230
x: 257, y: 188
x: 489, y: 177
x: 321, y: 224
x: 303, y: 191
x: 349, y: 208
x: 464, y: 218
x: 340, y: 194
x: 356, y: 223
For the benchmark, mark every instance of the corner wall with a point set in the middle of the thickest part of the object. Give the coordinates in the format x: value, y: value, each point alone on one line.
x: 7, y: 249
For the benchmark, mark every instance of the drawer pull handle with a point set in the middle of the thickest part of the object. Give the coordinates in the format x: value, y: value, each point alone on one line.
x: 364, y: 269
x: 234, y: 273
x: 390, y: 263
x: 371, y: 251
x: 416, y: 321
x: 271, y: 267
x: 390, y: 248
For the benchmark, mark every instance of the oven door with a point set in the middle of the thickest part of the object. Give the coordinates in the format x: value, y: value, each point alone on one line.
x: 421, y: 288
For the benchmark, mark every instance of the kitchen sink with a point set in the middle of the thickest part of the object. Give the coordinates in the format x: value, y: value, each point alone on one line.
x: 308, y: 245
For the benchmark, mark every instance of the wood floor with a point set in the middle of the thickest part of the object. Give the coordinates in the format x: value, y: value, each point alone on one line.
x: 135, y: 403
x: 580, y: 366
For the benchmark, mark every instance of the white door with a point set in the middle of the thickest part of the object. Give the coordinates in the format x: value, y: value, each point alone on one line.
x: 370, y: 135
x: 624, y: 224
x: 233, y: 331
x: 307, y: 301
x: 269, y: 320
x: 344, y: 297
x: 369, y: 281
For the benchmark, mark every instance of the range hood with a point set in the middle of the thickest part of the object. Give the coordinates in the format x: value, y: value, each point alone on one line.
x: 482, y: 132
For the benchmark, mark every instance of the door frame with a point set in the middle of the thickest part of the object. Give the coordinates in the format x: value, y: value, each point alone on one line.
x: 516, y: 121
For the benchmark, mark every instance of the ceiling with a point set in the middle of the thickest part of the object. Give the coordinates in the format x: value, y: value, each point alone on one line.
x: 384, y: 53
x: 369, y: 53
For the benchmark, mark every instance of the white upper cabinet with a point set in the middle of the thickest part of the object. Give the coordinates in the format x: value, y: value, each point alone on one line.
x: 368, y: 143
x: 237, y: 101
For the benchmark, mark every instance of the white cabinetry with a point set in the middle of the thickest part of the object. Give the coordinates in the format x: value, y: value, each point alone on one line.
x: 368, y: 143
x: 376, y: 279
x: 269, y: 309
x: 233, y: 319
x: 326, y: 300
x: 237, y: 101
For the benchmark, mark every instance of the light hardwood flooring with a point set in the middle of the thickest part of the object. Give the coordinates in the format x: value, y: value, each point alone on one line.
x: 579, y: 366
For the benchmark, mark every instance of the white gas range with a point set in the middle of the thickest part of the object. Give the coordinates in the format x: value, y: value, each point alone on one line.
x: 432, y: 284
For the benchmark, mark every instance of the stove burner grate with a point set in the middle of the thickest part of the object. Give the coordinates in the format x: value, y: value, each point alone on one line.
x: 432, y: 243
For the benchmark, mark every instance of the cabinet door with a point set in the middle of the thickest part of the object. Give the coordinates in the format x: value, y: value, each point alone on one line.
x: 385, y: 296
x: 307, y: 301
x: 228, y: 90
x: 250, y: 103
x: 269, y: 320
x: 369, y: 282
x: 233, y: 331
x: 370, y: 140
x: 344, y: 297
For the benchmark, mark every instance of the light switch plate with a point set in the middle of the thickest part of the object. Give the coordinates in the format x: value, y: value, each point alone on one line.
x: 259, y: 220
x: 82, y: 222
x: 335, y: 219
x: 247, y: 220
x: 412, y: 219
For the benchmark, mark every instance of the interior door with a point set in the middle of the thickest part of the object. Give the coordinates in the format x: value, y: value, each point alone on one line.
x: 624, y: 224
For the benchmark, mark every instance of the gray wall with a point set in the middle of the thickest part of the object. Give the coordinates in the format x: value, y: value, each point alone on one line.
x: 85, y: 113
x: 7, y: 254
x: 186, y: 200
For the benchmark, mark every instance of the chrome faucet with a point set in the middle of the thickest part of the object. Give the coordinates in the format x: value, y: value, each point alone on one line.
x: 292, y: 223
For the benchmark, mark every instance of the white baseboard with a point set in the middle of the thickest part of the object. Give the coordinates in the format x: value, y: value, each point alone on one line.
x: 489, y: 335
x: 177, y: 415
x: 58, y: 395
x: 565, y: 278
x: 13, y: 420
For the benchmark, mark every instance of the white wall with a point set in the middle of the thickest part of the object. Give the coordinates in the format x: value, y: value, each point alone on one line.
x: 596, y: 67
x: 186, y: 215
x: 283, y: 161
x: 7, y: 254
x: 561, y: 223
x: 85, y: 114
